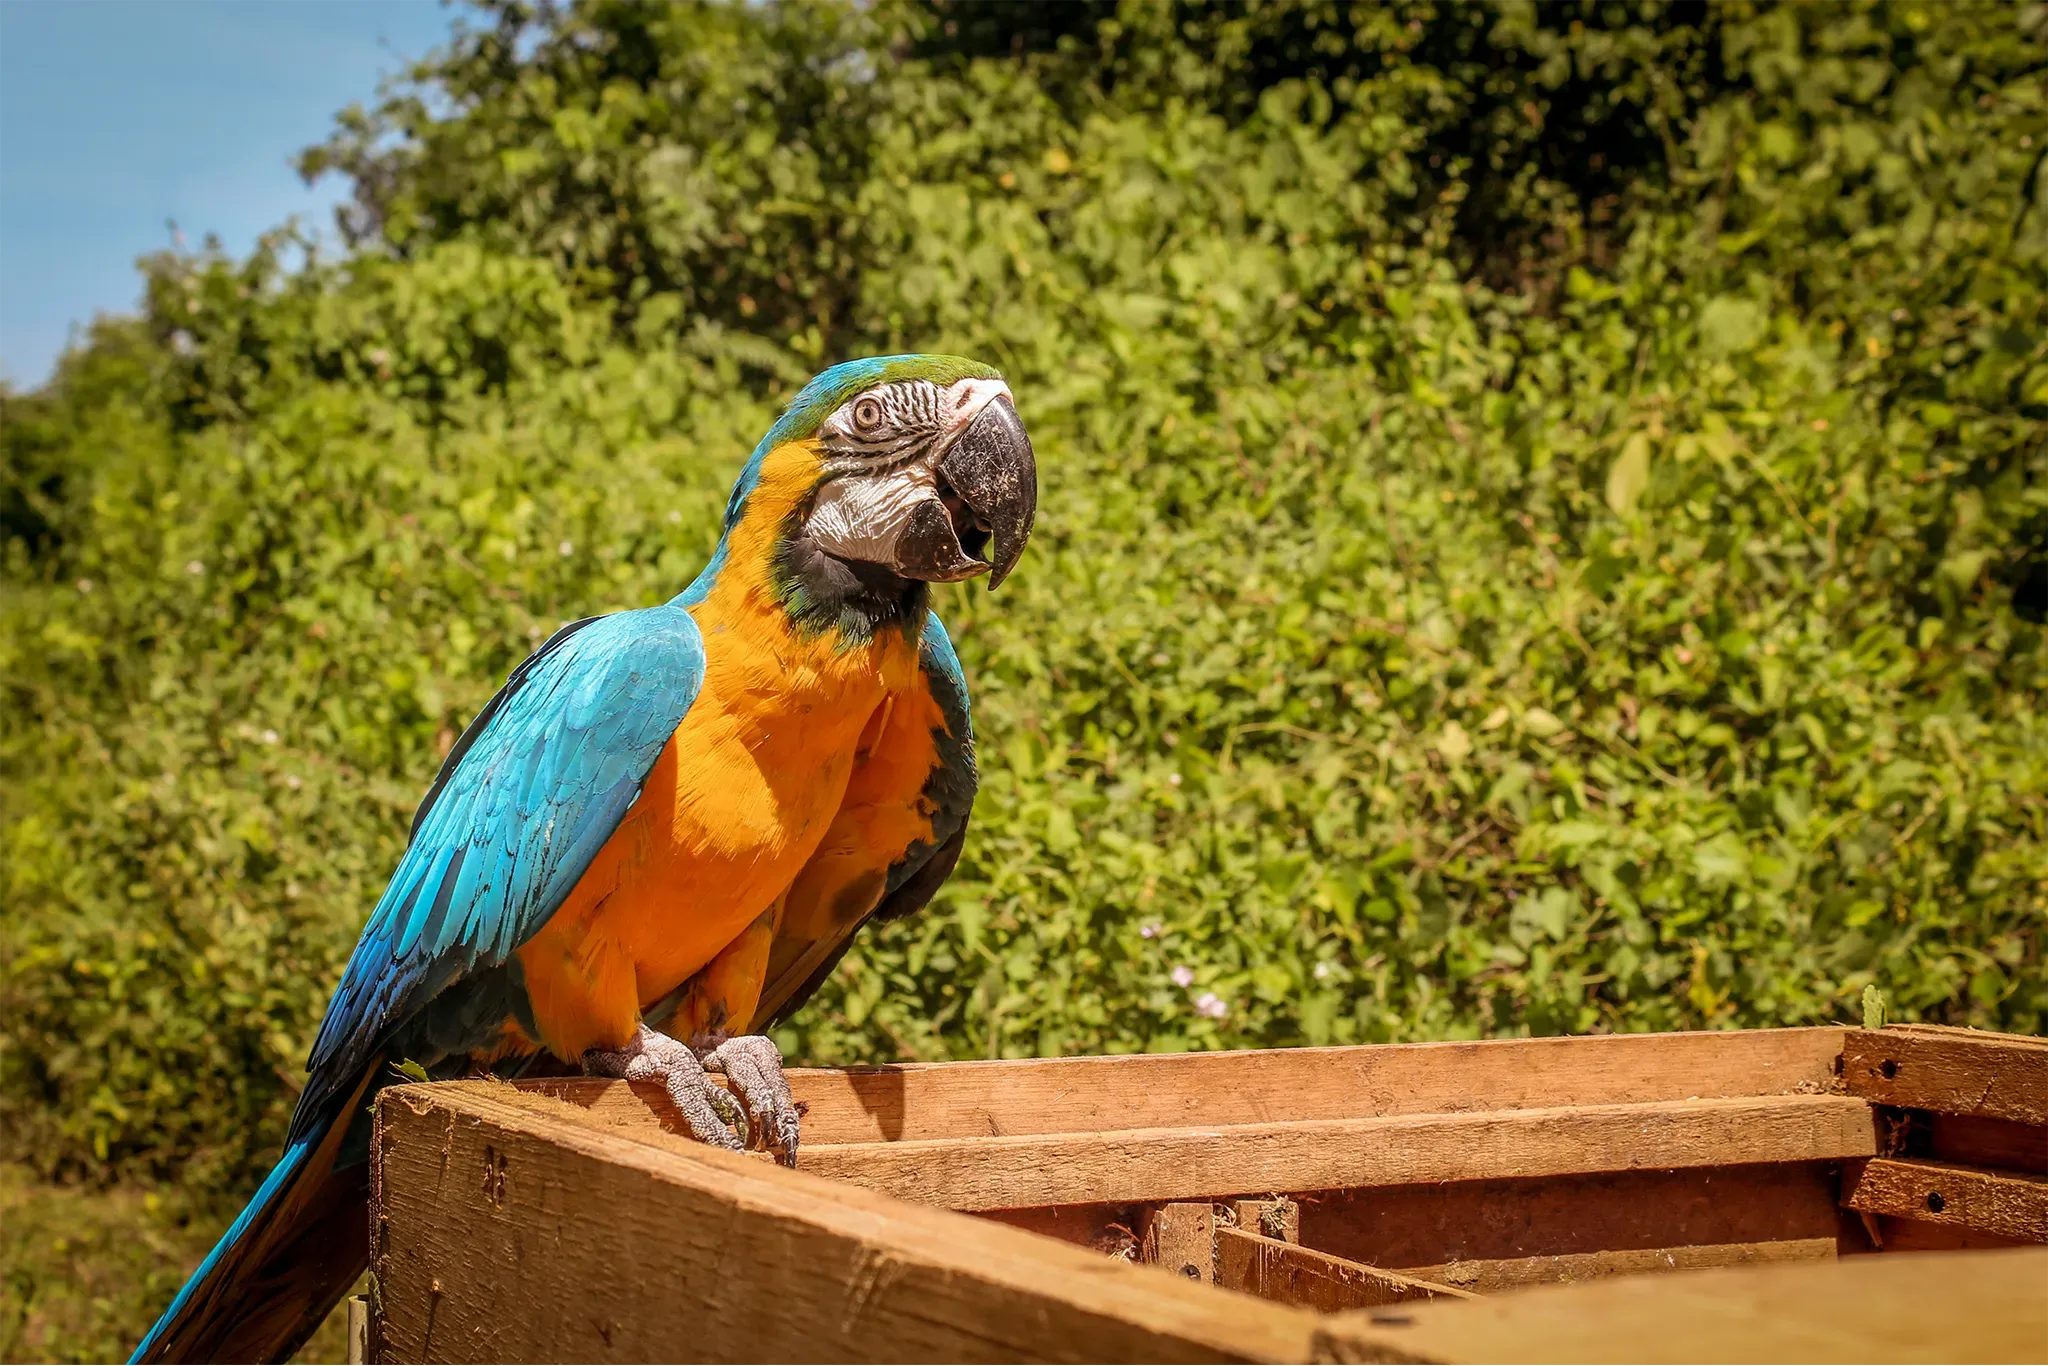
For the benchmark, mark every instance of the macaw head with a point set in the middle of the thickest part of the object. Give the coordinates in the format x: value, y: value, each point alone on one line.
x: 921, y: 467
x: 885, y: 474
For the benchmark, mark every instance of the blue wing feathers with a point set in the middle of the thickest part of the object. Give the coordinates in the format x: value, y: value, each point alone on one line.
x: 460, y: 750
x: 954, y: 782
x: 533, y: 790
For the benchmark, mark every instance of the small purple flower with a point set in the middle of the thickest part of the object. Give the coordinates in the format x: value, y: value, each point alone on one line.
x: 1183, y: 975
x: 1210, y: 1004
x: 1150, y: 930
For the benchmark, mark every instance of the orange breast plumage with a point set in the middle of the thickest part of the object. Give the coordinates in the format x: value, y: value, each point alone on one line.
x: 739, y: 801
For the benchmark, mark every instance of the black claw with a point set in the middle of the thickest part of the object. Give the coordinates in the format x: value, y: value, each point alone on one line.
x: 785, y: 1151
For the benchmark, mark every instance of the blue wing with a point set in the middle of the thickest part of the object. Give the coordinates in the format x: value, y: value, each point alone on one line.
x: 527, y: 797
x: 797, y: 969
x: 953, y: 783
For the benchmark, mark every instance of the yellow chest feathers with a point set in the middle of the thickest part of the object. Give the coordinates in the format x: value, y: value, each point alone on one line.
x: 738, y: 802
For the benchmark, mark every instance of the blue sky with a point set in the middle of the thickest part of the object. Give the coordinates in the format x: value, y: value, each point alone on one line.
x: 117, y: 115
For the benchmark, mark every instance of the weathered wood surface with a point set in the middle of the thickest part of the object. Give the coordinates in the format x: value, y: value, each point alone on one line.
x: 1182, y: 1164
x: 568, y: 1219
x: 1953, y: 1071
x: 927, y: 1101
x: 1982, y: 1142
x: 1287, y: 1273
x: 1491, y: 1277
x: 1525, y: 1221
x: 1890, y: 1234
x: 1112, y: 1230
x: 2010, y: 1205
x: 1277, y: 1218
x: 1951, y: 1307
x: 1180, y: 1239
x: 507, y: 1227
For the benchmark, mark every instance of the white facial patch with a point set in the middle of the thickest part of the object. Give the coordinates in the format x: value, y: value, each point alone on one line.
x: 860, y: 513
x: 862, y: 517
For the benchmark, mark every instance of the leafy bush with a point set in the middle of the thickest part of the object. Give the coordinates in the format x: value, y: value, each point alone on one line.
x: 84, y: 1271
x: 1544, y: 523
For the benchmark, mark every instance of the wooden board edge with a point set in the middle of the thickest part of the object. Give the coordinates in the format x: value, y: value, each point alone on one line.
x: 1950, y: 1071
x: 1065, y: 1278
x: 1498, y: 1275
x: 1287, y: 1273
x: 2004, y: 1205
x: 1016, y: 1097
x: 1195, y: 1164
x: 1950, y: 1306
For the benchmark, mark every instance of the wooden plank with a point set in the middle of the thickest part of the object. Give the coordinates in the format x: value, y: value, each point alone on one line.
x: 1180, y: 1238
x: 1953, y: 1071
x: 583, y: 1245
x: 1954, y: 1307
x: 1519, y: 1220
x: 358, y: 1331
x: 1279, y: 1219
x: 1290, y: 1274
x: 2004, y: 1205
x: 1981, y: 1142
x: 1889, y: 1234
x: 1109, y: 1230
x: 1183, y: 1164
x: 921, y: 1101
x: 1515, y: 1273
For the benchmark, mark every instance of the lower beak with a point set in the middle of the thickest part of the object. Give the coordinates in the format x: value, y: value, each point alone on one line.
x: 992, y: 472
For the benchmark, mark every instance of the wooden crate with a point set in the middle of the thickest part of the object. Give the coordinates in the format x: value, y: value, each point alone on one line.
x: 1334, y: 1204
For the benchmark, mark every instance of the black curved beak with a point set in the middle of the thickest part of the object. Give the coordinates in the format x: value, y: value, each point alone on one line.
x: 991, y: 469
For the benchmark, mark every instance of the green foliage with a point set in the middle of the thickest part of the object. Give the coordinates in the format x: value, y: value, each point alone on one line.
x: 1544, y: 527
x: 83, y: 1271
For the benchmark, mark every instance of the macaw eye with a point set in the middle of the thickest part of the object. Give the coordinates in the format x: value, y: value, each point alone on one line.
x: 867, y: 415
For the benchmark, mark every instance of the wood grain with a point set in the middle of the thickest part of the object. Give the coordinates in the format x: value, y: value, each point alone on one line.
x: 1180, y: 1239
x: 1290, y: 1274
x: 958, y: 1100
x: 1279, y: 1219
x: 507, y: 1227
x: 1188, y: 1164
x: 1112, y: 1230
x: 1515, y: 1273
x: 1959, y: 1306
x: 1953, y: 1071
x: 2003, y: 1205
x: 1919, y: 1235
x: 1982, y: 1142
x: 1567, y: 1216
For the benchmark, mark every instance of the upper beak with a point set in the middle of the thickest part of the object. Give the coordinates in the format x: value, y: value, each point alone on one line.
x: 991, y: 467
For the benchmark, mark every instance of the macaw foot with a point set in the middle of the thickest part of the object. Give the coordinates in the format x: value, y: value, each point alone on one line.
x: 753, y: 1064
x: 707, y: 1109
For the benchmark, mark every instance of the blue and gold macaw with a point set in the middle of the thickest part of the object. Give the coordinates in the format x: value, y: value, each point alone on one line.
x: 670, y: 819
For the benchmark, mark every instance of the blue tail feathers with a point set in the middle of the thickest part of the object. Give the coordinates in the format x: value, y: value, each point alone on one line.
x: 267, y: 1196
x: 293, y: 1251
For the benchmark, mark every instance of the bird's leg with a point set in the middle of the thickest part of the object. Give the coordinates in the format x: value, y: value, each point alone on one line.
x: 753, y: 1064
x: 705, y: 1107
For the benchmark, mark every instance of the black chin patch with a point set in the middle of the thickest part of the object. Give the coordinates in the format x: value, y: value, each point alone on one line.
x: 822, y: 592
